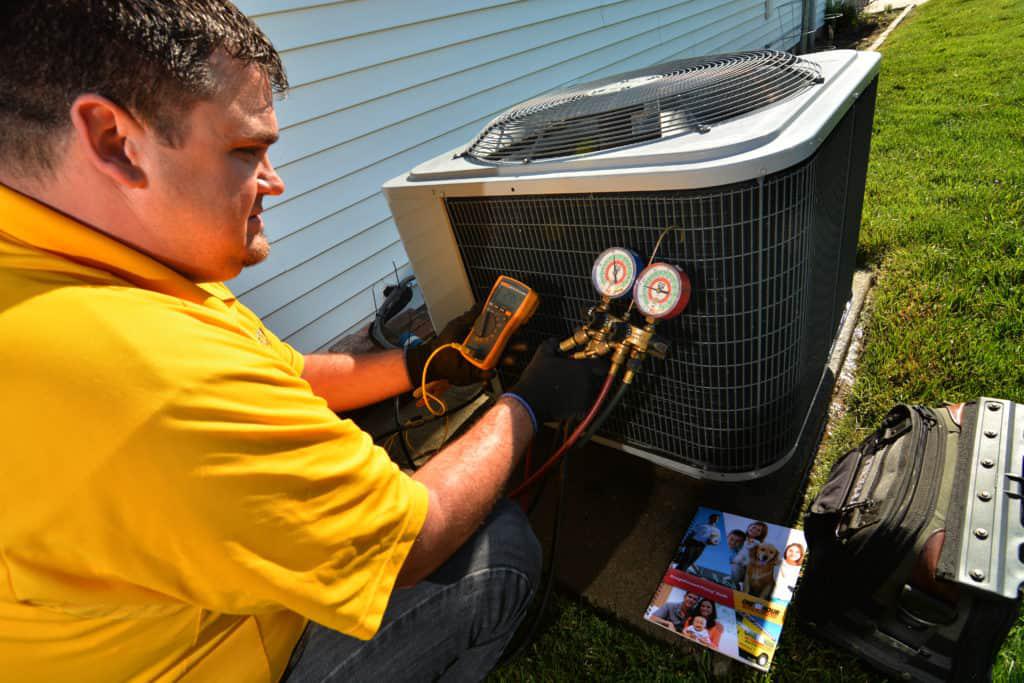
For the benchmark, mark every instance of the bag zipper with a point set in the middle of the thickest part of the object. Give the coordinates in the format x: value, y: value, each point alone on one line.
x: 924, y: 510
x: 872, y: 447
x: 908, y: 491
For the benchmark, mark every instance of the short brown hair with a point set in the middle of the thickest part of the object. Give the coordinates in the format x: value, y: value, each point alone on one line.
x: 151, y: 57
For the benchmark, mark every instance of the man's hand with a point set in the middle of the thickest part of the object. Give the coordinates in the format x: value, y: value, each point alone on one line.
x: 662, y: 622
x: 449, y: 364
x: 556, y: 387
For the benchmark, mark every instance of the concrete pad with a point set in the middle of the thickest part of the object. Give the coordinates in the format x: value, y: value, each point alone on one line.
x: 862, y: 282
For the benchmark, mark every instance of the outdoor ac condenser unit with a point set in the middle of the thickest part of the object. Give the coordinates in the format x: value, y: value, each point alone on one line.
x: 756, y: 160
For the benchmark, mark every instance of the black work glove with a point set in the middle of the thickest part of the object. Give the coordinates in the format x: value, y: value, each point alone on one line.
x: 449, y: 364
x: 556, y: 387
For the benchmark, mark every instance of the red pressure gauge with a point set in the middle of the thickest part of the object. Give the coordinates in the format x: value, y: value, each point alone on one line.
x: 662, y: 291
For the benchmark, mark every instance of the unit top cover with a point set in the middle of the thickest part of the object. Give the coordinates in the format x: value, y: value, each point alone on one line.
x: 707, y: 110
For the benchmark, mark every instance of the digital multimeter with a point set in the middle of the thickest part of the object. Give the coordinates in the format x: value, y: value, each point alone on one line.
x: 508, y: 307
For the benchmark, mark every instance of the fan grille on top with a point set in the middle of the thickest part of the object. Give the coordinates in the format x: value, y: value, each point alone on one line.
x: 662, y: 101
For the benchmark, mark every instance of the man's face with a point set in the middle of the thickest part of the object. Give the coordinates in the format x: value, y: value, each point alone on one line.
x: 203, y: 199
x: 688, y: 603
x: 735, y: 541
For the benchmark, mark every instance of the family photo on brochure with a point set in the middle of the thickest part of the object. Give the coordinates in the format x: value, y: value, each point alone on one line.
x: 729, y: 584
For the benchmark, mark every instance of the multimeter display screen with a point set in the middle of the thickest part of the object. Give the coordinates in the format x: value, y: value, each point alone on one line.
x: 508, y: 298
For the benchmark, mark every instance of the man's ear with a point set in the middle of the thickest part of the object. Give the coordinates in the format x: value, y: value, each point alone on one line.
x: 107, y: 134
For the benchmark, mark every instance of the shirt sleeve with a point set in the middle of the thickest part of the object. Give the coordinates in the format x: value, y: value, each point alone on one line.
x: 243, y: 493
x: 716, y: 634
x: 295, y: 359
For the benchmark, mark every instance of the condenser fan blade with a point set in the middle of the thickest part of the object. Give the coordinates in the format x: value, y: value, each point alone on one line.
x: 662, y: 101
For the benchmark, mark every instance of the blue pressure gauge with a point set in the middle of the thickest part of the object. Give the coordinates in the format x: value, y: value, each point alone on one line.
x: 615, y: 271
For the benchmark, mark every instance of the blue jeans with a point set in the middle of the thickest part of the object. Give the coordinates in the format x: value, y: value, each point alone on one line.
x: 452, y: 626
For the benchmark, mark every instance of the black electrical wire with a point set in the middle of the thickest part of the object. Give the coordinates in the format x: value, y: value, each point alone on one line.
x: 549, y: 580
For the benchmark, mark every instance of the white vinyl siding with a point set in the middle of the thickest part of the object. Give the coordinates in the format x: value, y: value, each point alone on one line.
x: 379, y: 86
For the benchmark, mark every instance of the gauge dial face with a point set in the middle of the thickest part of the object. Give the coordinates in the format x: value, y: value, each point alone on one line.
x: 662, y: 291
x: 615, y: 272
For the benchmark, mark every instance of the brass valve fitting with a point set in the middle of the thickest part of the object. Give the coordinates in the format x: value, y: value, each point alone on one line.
x: 580, y: 336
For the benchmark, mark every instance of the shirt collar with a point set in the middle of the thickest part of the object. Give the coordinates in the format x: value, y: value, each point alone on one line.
x: 25, y: 220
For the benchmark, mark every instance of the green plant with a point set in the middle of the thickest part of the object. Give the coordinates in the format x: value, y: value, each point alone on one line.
x: 846, y: 17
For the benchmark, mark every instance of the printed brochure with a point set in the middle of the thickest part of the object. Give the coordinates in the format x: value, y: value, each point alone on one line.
x: 729, y: 585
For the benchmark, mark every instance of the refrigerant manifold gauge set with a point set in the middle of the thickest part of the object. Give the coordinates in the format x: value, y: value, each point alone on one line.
x: 659, y: 291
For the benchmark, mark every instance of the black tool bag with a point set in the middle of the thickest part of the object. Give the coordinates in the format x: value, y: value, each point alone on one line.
x: 916, y: 543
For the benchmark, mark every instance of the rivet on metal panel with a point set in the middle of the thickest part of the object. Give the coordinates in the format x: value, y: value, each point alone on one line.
x: 994, y: 407
x: 987, y: 463
x: 981, y: 533
x: 991, y: 433
x: 977, y: 575
x: 985, y: 495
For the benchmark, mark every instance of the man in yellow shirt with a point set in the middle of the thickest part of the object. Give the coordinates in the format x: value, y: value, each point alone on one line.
x: 178, y: 498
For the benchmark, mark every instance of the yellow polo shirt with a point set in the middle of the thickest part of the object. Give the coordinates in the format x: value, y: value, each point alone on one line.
x: 175, y: 502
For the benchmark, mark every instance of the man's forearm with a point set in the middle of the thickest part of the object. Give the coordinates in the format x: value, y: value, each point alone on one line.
x: 464, y: 481
x: 347, y: 382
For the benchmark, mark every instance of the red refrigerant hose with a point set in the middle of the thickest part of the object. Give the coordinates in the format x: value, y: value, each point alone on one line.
x: 568, y: 443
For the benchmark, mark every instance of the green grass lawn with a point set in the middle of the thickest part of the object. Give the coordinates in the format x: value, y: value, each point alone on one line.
x: 943, y: 230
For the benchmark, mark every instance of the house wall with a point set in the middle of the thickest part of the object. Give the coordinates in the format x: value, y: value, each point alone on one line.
x: 380, y: 85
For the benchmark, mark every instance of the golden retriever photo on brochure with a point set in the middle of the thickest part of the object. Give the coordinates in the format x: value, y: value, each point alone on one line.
x: 760, y: 577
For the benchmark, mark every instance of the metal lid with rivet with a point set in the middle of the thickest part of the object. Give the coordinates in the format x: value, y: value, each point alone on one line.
x: 991, y: 555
